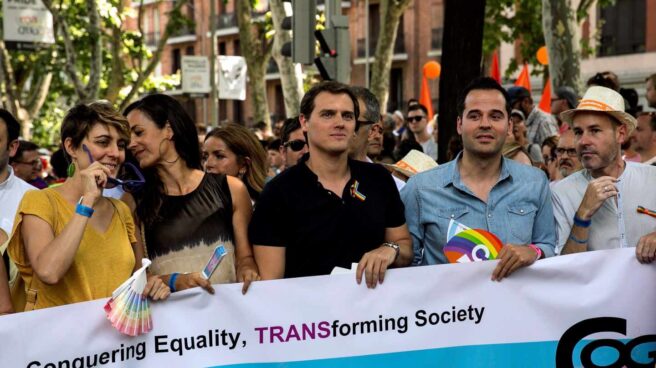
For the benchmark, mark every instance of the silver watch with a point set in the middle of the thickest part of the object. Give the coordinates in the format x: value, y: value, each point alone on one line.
x: 394, y: 246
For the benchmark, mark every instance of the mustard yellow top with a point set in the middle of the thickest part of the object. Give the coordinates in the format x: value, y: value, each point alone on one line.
x: 102, y: 263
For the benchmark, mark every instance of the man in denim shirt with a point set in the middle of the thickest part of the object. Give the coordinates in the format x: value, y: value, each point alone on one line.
x: 481, y: 189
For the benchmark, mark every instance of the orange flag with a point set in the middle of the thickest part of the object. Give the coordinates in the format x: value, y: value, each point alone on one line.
x: 545, y: 101
x: 524, y: 79
x: 425, y: 97
x: 495, y: 73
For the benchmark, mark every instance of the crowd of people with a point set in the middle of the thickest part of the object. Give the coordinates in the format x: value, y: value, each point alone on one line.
x: 320, y: 191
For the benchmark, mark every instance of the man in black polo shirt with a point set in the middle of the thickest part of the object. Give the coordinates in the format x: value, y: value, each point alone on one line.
x: 328, y: 210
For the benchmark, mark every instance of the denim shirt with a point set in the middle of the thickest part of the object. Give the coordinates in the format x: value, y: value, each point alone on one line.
x: 518, y: 209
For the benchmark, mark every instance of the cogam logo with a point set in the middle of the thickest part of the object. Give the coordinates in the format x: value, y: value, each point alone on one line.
x: 577, y: 332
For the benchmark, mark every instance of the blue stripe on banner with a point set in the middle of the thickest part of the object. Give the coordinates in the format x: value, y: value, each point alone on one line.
x: 530, y: 354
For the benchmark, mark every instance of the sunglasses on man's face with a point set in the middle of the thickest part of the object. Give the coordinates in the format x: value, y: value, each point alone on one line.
x: 133, y: 178
x: 296, y: 145
x: 414, y: 119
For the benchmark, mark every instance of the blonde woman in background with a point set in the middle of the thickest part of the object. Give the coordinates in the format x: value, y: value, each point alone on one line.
x: 235, y: 151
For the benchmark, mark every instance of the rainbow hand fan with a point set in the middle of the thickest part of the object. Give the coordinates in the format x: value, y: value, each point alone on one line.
x: 129, y: 310
x: 472, y: 245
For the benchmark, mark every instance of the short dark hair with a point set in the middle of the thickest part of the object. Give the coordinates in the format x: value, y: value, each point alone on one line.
x: 652, y: 78
x: 274, y: 145
x: 332, y: 87
x: 13, y: 127
x: 370, y: 101
x: 289, y: 126
x: 482, y: 83
x: 606, y: 79
x: 652, y: 118
x: 418, y: 106
x: 23, y: 146
x: 59, y: 164
x: 80, y: 119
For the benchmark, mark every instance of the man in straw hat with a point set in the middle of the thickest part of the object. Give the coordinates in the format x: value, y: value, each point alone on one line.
x: 481, y: 189
x: 596, y: 208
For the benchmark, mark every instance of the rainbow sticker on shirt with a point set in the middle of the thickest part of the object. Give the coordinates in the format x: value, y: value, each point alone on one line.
x: 472, y: 245
x: 355, y: 193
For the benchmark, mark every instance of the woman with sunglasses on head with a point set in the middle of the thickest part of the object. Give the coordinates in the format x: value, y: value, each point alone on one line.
x: 235, y: 151
x: 70, y: 243
x: 185, y: 213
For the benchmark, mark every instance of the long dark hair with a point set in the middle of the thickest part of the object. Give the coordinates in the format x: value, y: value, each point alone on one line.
x: 163, y: 109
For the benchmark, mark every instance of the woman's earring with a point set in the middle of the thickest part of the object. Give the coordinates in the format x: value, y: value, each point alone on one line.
x: 70, y: 170
x: 242, y: 172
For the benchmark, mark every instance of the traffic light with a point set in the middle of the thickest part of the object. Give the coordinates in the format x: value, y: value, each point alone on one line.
x: 302, y: 24
x: 334, y: 63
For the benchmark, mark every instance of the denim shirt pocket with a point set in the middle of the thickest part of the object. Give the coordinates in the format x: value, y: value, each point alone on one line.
x: 445, y: 215
x: 521, y: 216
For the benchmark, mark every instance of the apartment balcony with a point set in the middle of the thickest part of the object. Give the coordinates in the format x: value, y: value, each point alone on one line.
x: 226, y: 24
x: 182, y: 35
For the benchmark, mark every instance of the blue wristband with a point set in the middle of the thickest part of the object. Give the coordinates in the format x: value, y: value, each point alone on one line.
x: 172, y: 278
x: 581, y: 223
x: 577, y: 241
x: 83, y: 210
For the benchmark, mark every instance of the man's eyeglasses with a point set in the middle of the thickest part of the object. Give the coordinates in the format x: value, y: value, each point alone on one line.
x: 570, y: 151
x: 360, y: 123
x: 414, y: 119
x: 134, y: 181
x: 296, y: 145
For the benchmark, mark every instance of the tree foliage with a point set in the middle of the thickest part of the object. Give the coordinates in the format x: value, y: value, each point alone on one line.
x: 94, y: 56
x: 511, y: 20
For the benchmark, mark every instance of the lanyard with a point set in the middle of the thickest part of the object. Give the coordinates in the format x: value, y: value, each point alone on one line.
x: 620, y: 217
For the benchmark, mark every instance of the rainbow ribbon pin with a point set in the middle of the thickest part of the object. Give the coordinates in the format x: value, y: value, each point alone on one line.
x: 355, y: 193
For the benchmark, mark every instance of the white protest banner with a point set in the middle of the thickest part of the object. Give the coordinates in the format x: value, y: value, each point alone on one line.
x: 195, y: 74
x: 26, y: 23
x: 232, y: 77
x: 568, y: 311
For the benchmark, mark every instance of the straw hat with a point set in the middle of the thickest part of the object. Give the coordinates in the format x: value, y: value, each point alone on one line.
x: 413, y: 163
x: 605, y: 100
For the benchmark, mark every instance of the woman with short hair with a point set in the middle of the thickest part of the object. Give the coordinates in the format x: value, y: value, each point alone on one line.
x: 70, y: 243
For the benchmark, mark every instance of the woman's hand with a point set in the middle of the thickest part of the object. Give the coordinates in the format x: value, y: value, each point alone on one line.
x: 94, y: 179
x: 156, y: 289
x: 247, y: 272
x: 190, y: 280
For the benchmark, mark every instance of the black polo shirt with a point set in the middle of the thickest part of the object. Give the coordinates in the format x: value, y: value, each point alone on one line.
x: 319, y: 229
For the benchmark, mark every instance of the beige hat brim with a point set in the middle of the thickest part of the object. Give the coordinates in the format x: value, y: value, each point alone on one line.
x: 621, y: 116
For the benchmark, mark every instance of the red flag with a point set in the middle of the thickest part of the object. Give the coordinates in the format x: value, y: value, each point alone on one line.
x: 545, y: 101
x: 425, y: 97
x: 524, y: 79
x: 495, y: 73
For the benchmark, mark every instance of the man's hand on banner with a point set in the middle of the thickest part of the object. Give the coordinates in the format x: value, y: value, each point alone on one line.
x: 511, y: 258
x: 247, y: 272
x: 646, y: 249
x: 374, y: 265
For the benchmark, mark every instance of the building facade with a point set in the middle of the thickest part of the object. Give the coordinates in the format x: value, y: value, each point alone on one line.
x: 623, y: 35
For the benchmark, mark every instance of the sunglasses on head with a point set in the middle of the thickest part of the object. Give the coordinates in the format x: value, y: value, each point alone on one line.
x: 132, y: 185
x: 296, y: 145
x: 414, y: 119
